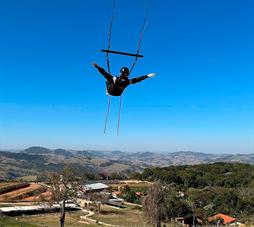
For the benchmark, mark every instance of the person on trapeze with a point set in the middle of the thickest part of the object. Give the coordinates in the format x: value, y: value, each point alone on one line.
x: 117, y: 84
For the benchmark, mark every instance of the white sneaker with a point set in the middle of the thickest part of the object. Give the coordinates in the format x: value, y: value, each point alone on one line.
x: 151, y: 75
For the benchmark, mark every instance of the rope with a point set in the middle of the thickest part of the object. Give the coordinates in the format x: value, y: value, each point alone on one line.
x: 145, y: 23
x: 106, y: 120
x: 134, y: 63
x: 109, y: 33
x: 119, y: 115
x: 108, y: 63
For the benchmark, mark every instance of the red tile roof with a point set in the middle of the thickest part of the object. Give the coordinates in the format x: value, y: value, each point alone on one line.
x: 226, y: 219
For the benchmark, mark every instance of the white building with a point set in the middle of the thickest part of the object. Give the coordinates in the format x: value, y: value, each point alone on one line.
x: 96, y: 187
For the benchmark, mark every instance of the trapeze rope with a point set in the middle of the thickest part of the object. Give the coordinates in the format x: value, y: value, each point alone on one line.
x: 106, y: 120
x: 108, y: 63
x: 145, y: 23
x: 119, y: 115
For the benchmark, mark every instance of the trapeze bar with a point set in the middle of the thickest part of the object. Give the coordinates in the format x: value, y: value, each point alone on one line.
x: 122, y: 53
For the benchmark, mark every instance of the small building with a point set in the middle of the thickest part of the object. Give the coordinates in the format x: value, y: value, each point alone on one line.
x: 116, y: 202
x: 37, y: 209
x: 96, y: 187
x: 225, y: 219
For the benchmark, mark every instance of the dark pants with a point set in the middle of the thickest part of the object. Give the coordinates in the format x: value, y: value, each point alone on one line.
x: 113, y: 89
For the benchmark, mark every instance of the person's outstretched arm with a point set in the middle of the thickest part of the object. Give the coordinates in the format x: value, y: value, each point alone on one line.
x: 140, y: 78
x: 103, y: 72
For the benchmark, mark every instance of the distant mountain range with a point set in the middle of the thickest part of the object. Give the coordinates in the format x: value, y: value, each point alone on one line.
x: 35, y: 160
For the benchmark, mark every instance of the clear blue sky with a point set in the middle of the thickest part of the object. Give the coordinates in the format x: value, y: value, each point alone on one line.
x: 202, y: 98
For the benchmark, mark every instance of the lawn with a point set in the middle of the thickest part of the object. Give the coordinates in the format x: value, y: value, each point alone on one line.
x: 45, y: 220
x: 125, y: 217
x: 12, y: 222
x: 122, y: 217
x: 51, y: 220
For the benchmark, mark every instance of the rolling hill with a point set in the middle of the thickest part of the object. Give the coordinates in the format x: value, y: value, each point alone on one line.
x: 35, y: 160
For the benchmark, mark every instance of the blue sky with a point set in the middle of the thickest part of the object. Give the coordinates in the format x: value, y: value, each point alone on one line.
x: 202, y: 98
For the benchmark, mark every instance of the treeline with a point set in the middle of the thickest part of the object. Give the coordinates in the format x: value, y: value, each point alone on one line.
x: 197, y: 203
x: 238, y: 202
x: 229, y: 175
x: 206, y: 189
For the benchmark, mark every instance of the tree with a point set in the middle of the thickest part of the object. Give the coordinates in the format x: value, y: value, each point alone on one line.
x: 191, y: 203
x: 195, y: 201
x: 117, y: 176
x: 154, y: 204
x: 99, y: 198
x: 63, y: 186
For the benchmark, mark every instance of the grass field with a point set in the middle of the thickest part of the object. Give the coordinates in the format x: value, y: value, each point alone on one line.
x: 126, y: 217
x: 12, y: 222
x: 29, y: 178
x: 122, y: 217
x: 72, y: 219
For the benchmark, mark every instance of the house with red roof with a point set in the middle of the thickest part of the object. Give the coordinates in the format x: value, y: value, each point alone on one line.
x: 225, y: 219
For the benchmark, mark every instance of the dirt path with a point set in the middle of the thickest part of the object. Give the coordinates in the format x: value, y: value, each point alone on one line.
x: 88, y: 218
x: 133, y: 204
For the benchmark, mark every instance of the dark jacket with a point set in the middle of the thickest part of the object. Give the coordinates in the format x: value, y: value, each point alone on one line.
x: 116, y: 85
